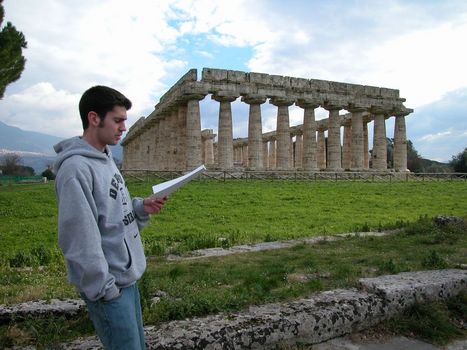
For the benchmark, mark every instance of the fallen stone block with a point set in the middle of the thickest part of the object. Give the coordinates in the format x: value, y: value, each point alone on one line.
x: 407, y: 288
x: 67, y: 307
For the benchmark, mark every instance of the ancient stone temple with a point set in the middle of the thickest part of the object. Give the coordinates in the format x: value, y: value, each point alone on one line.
x: 170, y: 138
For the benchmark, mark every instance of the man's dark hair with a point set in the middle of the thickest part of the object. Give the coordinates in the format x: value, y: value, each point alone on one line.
x: 100, y: 99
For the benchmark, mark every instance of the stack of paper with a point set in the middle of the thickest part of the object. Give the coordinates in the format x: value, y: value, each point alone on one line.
x: 164, y: 189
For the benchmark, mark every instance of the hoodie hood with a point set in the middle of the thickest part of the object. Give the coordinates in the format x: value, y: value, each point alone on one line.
x: 77, y: 146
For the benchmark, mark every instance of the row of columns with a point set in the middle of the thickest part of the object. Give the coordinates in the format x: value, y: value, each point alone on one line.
x: 175, y: 141
x: 312, y: 152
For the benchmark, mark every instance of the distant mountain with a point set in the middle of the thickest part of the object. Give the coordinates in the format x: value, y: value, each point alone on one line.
x: 433, y: 166
x: 16, y: 139
x: 36, y: 149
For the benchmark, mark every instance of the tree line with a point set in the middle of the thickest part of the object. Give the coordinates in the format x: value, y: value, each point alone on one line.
x: 11, y: 163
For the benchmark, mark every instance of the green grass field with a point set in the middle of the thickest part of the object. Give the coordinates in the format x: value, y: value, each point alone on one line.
x: 211, y: 213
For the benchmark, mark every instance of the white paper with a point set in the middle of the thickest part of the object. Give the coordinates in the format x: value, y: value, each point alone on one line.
x: 164, y: 189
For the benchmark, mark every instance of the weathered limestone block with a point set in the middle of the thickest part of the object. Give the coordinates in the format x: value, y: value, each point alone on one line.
x: 280, y: 81
x: 406, y: 288
x: 260, y: 78
x: 271, y: 92
x: 237, y: 76
x: 391, y: 93
x: 313, y: 320
x: 341, y: 88
x: 372, y: 91
x: 191, y: 75
x: 69, y: 307
x: 193, y: 88
x: 211, y: 74
x: 299, y: 84
x: 320, y: 85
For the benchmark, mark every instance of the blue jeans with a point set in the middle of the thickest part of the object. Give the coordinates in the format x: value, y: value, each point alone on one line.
x: 118, y: 322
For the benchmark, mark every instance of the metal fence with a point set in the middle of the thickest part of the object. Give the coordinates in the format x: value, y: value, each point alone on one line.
x: 4, y: 179
x: 367, y: 176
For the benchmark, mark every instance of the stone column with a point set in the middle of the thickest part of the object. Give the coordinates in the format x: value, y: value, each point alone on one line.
x: 126, y: 156
x: 298, y: 151
x: 167, y: 142
x: 245, y: 155
x: 173, y: 139
x: 357, y: 139
x: 379, y: 155
x: 321, y: 150
x: 193, y: 132
x: 235, y: 147
x: 162, y: 142
x: 207, y: 137
x: 265, y: 155
x: 225, y: 138
x: 159, y: 144
x: 154, y: 160
x: 347, y: 146
x: 334, y: 138
x: 239, y: 154
x: 181, y: 151
x: 272, y: 153
x: 309, y: 162
x: 152, y: 156
x: 255, y: 139
x: 282, y: 131
x: 145, y: 149
x: 400, y: 144
x: 152, y: 146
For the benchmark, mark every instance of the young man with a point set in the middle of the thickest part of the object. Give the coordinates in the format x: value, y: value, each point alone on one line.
x: 99, y: 224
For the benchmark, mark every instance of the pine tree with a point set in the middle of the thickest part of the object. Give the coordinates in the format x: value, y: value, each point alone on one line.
x: 12, y: 61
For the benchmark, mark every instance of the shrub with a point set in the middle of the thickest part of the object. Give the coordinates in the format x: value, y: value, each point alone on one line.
x: 21, y: 259
x: 42, y: 254
x: 434, y: 261
x: 49, y: 174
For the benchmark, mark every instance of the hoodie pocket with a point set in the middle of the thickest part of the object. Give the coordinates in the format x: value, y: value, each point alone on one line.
x: 129, y: 255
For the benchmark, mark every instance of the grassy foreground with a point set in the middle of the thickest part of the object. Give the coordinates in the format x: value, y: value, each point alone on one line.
x: 207, y: 214
x: 210, y: 213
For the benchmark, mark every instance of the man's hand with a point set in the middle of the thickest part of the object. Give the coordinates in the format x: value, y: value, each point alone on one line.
x: 153, y: 205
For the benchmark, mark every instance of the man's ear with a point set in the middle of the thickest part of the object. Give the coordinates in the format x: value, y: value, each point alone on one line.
x: 93, y: 119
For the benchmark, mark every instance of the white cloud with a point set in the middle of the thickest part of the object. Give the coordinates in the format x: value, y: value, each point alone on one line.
x: 232, y: 23
x: 43, y: 108
x: 71, y: 48
x: 141, y: 47
x: 204, y: 54
x: 432, y: 137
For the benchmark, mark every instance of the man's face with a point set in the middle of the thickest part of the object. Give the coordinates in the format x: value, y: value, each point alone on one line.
x: 112, y: 126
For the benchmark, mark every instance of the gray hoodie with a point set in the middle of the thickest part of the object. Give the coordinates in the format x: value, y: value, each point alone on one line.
x: 98, y: 223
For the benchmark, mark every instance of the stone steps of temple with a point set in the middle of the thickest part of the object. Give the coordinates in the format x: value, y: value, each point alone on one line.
x: 312, y: 320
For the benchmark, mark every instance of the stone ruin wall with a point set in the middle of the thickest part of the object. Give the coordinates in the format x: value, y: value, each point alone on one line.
x: 170, y: 138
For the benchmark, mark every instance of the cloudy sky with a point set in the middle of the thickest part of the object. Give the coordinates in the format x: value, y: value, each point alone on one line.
x: 143, y: 47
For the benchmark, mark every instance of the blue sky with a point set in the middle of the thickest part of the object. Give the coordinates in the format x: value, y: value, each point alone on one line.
x: 143, y: 47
